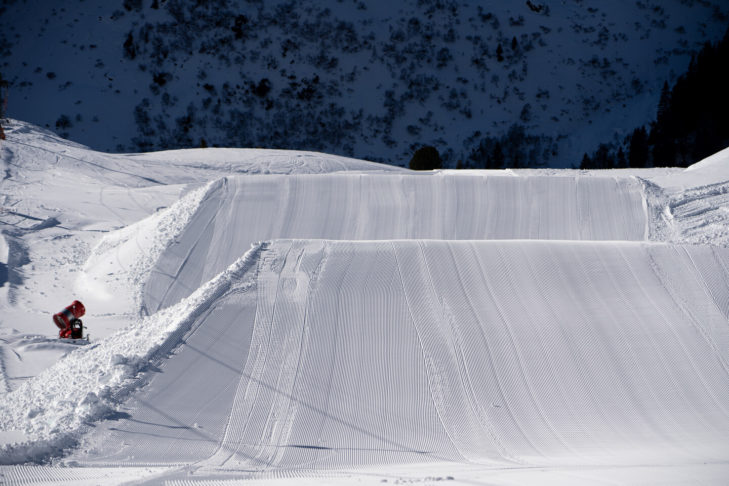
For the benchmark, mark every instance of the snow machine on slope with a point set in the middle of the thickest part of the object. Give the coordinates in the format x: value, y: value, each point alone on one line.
x: 69, y: 322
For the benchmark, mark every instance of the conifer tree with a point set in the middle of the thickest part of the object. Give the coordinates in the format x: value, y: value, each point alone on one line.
x: 426, y: 158
x: 638, y: 149
x: 496, y: 157
x: 499, y: 53
x: 4, y: 85
x: 586, y: 162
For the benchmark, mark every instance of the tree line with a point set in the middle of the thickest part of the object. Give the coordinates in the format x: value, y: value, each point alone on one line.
x: 692, y: 119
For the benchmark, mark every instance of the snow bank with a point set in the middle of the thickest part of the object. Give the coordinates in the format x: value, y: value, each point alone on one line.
x: 312, y: 355
x: 716, y: 162
x: 49, y: 410
x: 260, y: 161
x: 707, y: 172
x: 41, y: 150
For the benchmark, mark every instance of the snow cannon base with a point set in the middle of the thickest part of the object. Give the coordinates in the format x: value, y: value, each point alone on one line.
x: 74, y: 331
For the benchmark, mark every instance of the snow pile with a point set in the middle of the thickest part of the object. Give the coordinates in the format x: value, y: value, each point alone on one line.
x: 527, y: 353
x: 41, y: 150
x: 712, y: 166
x: 700, y: 215
x: 86, y: 384
x: 59, y: 199
x: 308, y: 354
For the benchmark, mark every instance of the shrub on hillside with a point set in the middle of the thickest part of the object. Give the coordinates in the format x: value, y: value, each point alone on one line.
x: 4, y: 85
x: 426, y: 158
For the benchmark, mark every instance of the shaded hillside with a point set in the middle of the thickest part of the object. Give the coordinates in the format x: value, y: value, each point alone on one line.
x: 692, y: 119
x: 365, y: 79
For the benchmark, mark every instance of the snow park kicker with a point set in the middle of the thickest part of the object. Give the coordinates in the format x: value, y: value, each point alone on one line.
x: 241, y: 210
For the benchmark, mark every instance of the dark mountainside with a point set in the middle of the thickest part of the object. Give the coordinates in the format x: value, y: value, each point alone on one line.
x: 487, y: 85
x: 692, y: 119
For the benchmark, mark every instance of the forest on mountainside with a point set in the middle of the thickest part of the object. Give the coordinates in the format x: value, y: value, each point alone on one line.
x: 488, y: 84
x: 692, y: 119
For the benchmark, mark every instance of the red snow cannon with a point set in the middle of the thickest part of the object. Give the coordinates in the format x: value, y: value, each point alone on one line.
x: 68, y: 321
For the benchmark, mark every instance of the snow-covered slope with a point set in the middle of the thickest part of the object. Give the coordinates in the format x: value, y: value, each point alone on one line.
x: 516, y: 327
x: 370, y: 79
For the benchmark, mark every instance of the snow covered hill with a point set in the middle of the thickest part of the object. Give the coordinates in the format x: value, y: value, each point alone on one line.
x: 291, y: 317
x: 367, y: 79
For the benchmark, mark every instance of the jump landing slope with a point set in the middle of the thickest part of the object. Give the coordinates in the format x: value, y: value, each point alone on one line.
x: 331, y: 355
x: 499, y: 327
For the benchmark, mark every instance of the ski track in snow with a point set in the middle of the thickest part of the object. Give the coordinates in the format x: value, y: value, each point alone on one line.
x: 512, y: 327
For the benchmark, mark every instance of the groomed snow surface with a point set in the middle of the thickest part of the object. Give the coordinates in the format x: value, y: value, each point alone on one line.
x: 283, y: 318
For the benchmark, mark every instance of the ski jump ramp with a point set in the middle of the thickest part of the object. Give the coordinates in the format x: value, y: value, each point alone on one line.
x: 238, y: 211
x: 535, y: 342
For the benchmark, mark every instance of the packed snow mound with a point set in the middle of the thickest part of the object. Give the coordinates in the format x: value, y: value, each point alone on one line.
x: 306, y: 355
x: 335, y: 354
x: 262, y: 161
x: 491, y: 205
x: 58, y: 199
x: 707, y: 172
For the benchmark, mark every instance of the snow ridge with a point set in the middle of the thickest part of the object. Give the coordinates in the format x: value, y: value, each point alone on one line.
x: 351, y: 206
